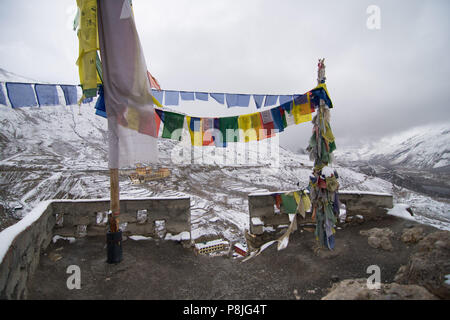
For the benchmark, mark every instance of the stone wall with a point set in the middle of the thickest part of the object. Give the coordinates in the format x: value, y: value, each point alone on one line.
x: 261, y: 207
x: 22, y: 257
x: 369, y: 205
x: 77, y: 218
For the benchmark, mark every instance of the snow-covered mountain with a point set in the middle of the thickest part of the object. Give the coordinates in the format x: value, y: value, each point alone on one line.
x: 9, y: 76
x: 60, y: 152
x: 424, y: 147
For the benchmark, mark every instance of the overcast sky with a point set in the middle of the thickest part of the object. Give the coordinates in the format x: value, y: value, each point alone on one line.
x: 381, y: 81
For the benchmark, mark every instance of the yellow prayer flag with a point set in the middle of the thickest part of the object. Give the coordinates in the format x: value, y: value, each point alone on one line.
x: 88, y: 45
x: 250, y: 125
x: 196, y: 135
x: 302, y: 112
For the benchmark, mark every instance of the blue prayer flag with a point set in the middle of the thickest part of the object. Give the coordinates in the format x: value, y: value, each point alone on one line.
x: 232, y: 100
x: 160, y: 114
x: 287, y: 106
x: 301, y: 99
x: 271, y: 100
x: 237, y: 100
x: 187, y: 96
x: 88, y: 100
x: 2, y: 96
x: 243, y: 100
x: 100, y: 108
x: 194, y: 124
x: 171, y: 98
x: 21, y: 95
x: 70, y: 94
x: 258, y: 100
x: 219, y: 97
x: 277, y: 119
x: 285, y: 98
x: 46, y: 94
x: 201, y: 96
x: 158, y: 94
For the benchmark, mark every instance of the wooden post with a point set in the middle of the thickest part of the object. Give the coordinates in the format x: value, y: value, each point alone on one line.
x: 115, y: 202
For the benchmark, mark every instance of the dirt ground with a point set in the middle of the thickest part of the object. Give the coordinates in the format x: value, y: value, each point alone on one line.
x: 156, y: 269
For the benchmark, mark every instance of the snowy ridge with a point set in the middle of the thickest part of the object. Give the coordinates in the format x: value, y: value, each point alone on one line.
x: 424, y: 147
x: 6, y: 76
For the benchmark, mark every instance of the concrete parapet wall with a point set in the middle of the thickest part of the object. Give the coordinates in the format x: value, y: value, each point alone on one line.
x: 21, y: 244
x: 174, y: 211
x: 19, y: 259
x: 367, y: 204
x: 261, y: 206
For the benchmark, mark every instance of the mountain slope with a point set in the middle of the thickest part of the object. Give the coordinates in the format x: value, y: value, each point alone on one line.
x: 424, y: 147
x: 60, y: 152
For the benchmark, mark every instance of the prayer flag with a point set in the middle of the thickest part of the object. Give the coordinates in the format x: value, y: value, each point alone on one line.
x: 171, y: 98
x: 229, y: 127
x: 46, y: 94
x: 195, y: 130
x: 243, y: 100
x: 70, y: 94
x: 219, y: 97
x: 268, y: 125
x: 208, y: 131
x: 21, y: 95
x: 277, y: 117
x: 288, y: 203
x: 301, y: 109
x: 271, y: 100
x: 258, y: 100
x: 203, y: 96
x: 187, y: 96
x: 153, y: 82
x: 285, y: 98
x: 232, y: 100
x: 173, y: 125
x: 100, y: 108
x: 88, y: 46
x: 129, y: 104
x: 158, y: 95
x: 250, y: 125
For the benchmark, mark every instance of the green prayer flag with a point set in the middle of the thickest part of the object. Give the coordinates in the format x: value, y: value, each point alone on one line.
x: 172, y: 122
x: 229, y: 123
x: 332, y: 146
x: 288, y: 203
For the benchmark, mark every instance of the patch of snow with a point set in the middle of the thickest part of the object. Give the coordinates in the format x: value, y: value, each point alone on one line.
x: 139, y: 238
x: 185, y: 235
x: 399, y: 210
x: 57, y: 237
x: 256, y: 221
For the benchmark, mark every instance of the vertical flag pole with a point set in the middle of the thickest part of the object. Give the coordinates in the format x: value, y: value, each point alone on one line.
x: 115, y: 200
x: 114, y: 234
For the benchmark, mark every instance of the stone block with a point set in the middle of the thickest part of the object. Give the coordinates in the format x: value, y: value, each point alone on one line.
x: 262, y: 211
x: 81, y: 220
x: 275, y: 220
x: 256, y: 229
x: 97, y: 230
